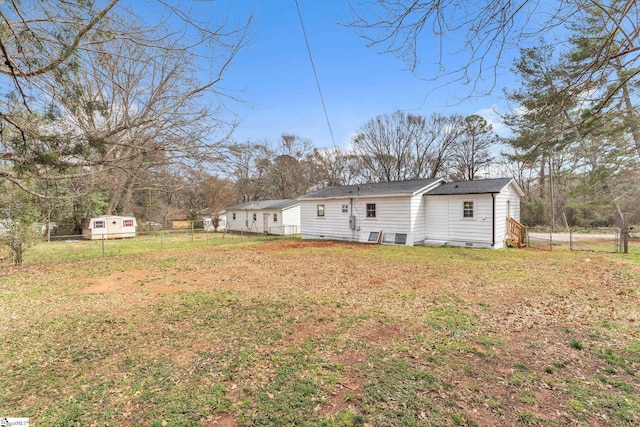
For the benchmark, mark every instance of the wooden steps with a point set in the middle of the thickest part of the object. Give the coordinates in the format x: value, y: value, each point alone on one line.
x: 515, y: 234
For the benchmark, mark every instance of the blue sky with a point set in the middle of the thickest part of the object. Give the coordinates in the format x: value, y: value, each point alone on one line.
x: 358, y: 83
x: 274, y: 77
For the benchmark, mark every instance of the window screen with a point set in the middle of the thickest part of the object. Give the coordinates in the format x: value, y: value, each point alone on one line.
x: 371, y: 210
x: 467, y: 209
x: 400, y: 239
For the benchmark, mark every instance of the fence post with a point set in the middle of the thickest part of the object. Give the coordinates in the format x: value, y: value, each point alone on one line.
x: 625, y: 239
x: 161, y: 240
x: 102, y: 244
x: 192, y: 228
x: 570, y: 240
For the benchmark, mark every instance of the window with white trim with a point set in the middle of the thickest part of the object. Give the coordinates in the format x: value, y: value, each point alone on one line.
x: 233, y: 215
x: 99, y: 224
x: 127, y: 223
x: 371, y: 210
x: 345, y: 208
x: 468, y: 209
x: 275, y: 217
x: 255, y: 216
x: 320, y: 210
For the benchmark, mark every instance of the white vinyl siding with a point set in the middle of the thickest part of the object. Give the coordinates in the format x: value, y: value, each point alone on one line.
x: 393, y: 214
x: 278, y: 221
x: 437, y: 218
x: 290, y: 218
x: 418, y: 223
x: 507, y: 194
x: 446, y: 221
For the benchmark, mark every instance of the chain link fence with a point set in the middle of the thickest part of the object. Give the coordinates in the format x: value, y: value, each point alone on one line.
x: 68, y: 242
x: 606, y: 240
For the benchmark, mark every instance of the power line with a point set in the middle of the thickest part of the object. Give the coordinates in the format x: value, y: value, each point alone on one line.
x: 315, y: 74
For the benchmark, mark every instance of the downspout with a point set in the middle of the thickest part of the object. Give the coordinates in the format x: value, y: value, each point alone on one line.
x: 493, y: 220
x: 353, y: 230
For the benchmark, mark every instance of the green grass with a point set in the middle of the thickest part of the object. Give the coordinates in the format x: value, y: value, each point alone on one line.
x: 276, y: 332
x: 78, y: 249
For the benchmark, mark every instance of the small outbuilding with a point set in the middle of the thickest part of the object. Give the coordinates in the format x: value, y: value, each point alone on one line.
x: 108, y: 227
x: 280, y: 217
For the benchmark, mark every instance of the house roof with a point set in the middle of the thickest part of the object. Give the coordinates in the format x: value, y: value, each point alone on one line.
x: 258, y: 205
x: 377, y: 189
x: 483, y: 186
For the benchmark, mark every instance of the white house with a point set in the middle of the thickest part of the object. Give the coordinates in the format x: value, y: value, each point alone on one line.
x: 280, y: 217
x: 108, y: 227
x: 387, y: 212
x: 472, y: 213
x: 469, y: 213
x: 215, y: 222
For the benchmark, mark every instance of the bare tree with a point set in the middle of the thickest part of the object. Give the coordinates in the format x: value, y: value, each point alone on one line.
x: 144, y: 108
x: 478, y: 34
x: 288, y: 174
x: 99, y: 93
x: 218, y: 194
x: 331, y: 167
x: 472, y: 152
x: 399, y: 146
x: 247, y: 167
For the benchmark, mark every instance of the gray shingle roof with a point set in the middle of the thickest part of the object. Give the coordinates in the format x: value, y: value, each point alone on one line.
x: 377, y: 189
x: 482, y: 186
x: 259, y: 205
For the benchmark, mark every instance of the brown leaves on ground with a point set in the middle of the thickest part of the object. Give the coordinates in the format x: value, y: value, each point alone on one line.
x: 495, y: 328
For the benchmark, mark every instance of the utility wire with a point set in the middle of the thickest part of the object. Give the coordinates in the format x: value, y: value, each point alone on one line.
x: 315, y: 74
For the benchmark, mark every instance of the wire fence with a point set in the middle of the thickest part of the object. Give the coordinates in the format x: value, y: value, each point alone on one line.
x: 604, y: 241
x: 147, y: 239
x: 610, y: 240
x: 543, y: 241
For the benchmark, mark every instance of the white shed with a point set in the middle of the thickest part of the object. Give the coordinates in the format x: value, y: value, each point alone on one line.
x: 472, y: 213
x: 387, y: 212
x: 281, y: 217
x: 109, y: 227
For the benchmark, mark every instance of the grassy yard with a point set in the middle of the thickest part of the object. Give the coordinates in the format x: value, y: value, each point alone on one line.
x: 241, y: 332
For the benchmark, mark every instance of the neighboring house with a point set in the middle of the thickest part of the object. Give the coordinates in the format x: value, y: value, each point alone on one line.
x: 280, y: 217
x: 218, y: 224
x: 108, y: 227
x: 470, y: 213
x: 179, y: 220
x: 387, y: 212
